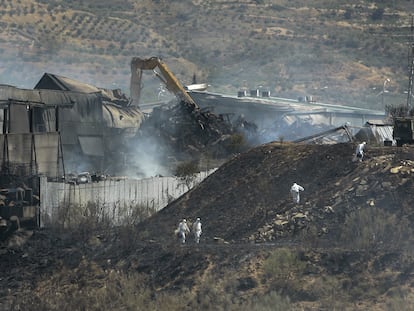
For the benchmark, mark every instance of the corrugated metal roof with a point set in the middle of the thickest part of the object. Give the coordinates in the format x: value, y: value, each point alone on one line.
x: 42, y: 97
x: 306, y: 117
x: 381, y: 129
x: 62, y: 83
x: 377, y: 132
x: 51, y: 81
x: 379, y: 122
x: 282, y: 103
x: 385, y: 132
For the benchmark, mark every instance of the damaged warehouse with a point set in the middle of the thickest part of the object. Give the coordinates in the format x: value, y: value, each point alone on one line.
x: 115, y: 137
x: 73, y: 132
x: 80, y: 124
x: 49, y: 133
x: 97, y: 130
x: 63, y: 128
x: 96, y: 123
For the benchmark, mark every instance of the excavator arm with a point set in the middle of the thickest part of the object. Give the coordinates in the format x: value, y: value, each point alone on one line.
x: 163, y: 73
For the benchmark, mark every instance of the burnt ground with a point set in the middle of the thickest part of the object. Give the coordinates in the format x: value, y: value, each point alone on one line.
x: 251, y: 192
x: 347, y: 245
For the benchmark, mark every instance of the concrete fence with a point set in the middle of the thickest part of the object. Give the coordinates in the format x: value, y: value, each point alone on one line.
x: 113, y: 199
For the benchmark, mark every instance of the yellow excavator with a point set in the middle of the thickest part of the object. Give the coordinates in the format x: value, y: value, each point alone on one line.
x: 164, y: 74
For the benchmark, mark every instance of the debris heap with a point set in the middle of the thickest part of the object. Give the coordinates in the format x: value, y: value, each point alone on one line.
x: 186, y: 133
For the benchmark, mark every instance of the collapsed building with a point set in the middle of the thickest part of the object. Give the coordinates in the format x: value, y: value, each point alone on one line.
x: 65, y: 127
x: 286, y: 119
x: 48, y: 131
x: 31, y: 145
x: 96, y: 130
x: 59, y: 129
x: 60, y: 126
x: 180, y: 128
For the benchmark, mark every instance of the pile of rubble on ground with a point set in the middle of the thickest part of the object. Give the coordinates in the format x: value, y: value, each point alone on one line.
x: 186, y: 132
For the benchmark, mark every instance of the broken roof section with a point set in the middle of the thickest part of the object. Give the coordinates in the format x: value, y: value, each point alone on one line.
x: 36, y: 97
x: 127, y: 117
x: 332, y: 136
x: 116, y: 110
x: 55, y: 82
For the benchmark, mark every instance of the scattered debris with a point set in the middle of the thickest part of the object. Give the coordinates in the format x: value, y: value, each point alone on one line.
x: 187, y: 134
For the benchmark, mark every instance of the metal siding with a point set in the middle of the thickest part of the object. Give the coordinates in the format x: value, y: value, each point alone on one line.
x: 384, y: 132
x: 92, y: 145
x: 19, y: 119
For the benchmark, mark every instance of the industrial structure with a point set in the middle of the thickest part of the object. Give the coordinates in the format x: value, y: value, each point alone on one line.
x: 60, y: 126
x: 66, y: 131
x: 42, y: 125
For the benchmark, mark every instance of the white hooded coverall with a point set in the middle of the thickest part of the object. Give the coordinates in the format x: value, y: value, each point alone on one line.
x: 197, y: 230
x: 359, y: 152
x: 294, y: 190
x: 183, y: 230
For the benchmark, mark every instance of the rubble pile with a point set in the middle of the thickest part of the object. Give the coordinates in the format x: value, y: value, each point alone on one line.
x: 186, y: 132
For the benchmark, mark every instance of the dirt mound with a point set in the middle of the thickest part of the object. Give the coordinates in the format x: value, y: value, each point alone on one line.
x: 248, y: 198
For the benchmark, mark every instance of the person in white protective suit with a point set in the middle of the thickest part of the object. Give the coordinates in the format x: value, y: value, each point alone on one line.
x: 359, y: 152
x: 183, y: 230
x: 197, y: 230
x: 294, y: 190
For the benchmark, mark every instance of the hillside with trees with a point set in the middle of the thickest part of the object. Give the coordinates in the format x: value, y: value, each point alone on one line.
x: 338, y: 52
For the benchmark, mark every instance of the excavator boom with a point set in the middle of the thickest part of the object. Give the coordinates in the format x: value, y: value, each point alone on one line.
x: 164, y: 74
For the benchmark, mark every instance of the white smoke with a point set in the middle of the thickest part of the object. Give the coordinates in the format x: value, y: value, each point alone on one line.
x: 148, y: 158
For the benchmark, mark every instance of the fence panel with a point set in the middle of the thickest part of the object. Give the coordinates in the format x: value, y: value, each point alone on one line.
x: 113, y: 199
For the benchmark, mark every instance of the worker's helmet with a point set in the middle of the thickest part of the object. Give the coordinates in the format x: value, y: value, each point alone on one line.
x: 198, y: 219
x: 364, y: 143
x: 184, y: 220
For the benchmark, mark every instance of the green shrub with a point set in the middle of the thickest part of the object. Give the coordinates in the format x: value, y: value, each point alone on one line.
x: 377, y: 14
x: 283, y: 263
x: 212, y: 293
x: 237, y: 143
x: 272, y: 301
x: 400, y: 300
x: 373, y: 227
x: 187, y: 172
